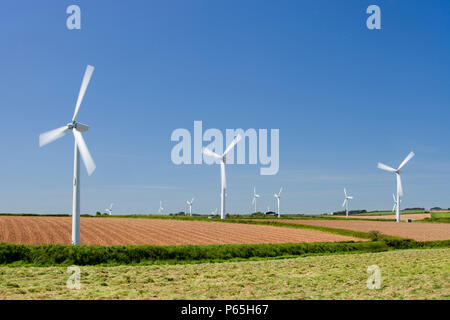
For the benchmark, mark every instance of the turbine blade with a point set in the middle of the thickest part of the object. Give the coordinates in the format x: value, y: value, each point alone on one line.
x: 211, y: 153
x: 393, y: 196
x: 350, y: 197
x: 345, y: 201
x: 52, y: 135
x: 395, y: 207
x: 84, y: 151
x: 385, y: 167
x: 281, y: 189
x: 345, y: 192
x: 408, y: 157
x: 232, y: 144
x: 399, y: 185
x: 84, y: 84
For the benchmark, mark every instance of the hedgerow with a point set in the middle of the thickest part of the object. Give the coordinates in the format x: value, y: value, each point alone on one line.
x: 45, y: 255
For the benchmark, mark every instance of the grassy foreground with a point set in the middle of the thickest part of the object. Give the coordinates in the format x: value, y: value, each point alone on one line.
x: 406, y: 274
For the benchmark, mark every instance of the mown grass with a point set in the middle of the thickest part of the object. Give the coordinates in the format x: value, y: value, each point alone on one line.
x: 406, y: 274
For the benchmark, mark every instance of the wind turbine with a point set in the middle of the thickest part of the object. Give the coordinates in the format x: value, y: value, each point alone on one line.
x: 190, y: 206
x: 399, y: 180
x: 346, y: 201
x: 160, y: 207
x: 278, y: 196
x: 214, y: 212
x: 80, y: 148
x: 255, y: 197
x: 395, y: 203
x: 109, y: 210
x: 223, y: 160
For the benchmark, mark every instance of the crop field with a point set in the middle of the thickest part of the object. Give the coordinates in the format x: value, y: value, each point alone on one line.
x: 416, y: 231
x: 124, y: 231
x: 405, y: 274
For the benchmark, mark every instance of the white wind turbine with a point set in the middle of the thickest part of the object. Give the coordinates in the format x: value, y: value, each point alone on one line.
x: 160, y: 207
x: 278, y: 196
x: 346, y: 201
x: 80, y: 148
x: 255, y: 197
x: 399, y: 180
x: 109, y: 210
x: 395, y: 203
x: 223, y: 160
x: 190, y: 206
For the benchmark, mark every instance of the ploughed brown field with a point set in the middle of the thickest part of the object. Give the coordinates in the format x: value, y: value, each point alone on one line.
x: 417, y: 231
x: 403, y: 217
x: 123, y: 231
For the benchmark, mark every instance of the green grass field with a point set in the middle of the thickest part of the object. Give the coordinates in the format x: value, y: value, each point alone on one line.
x: 389, y: 213
x: 405, y: 274
x: 440, y: 215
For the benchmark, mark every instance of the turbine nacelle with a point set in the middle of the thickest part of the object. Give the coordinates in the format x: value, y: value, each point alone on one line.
x: 79, y: 126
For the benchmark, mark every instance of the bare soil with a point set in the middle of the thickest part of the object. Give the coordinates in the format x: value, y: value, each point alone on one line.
x: 124, y: 231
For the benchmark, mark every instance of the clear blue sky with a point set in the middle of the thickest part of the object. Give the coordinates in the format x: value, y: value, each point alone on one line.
x: 344, y: 97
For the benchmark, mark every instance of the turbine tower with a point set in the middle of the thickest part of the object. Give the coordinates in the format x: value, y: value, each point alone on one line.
x: 346, y: 201
x: 399, y: 180
x: 223, y: 160
x: 109, y: 210
x: 278, y: 196
x: 79, y: 149
x: 190, y: 206
x: 255, y: 197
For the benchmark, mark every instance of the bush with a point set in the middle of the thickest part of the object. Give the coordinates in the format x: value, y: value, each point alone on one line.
x: 374, y: 235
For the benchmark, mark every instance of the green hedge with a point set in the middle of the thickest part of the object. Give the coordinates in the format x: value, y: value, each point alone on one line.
x: 412, y: 244
x: 45, y: 255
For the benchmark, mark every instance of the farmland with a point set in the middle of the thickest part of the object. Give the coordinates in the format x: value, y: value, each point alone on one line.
x: 406, y: 274
x: 412, y: 216
x: 196, y: 258
x: 417, y: 231
x: 128, y: 231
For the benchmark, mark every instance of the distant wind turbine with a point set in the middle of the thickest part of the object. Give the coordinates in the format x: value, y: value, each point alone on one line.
x: 399, y: 180
x: 255, y: 198
x: 80, y: 148
x: 278, y: 196
x: 109, y: 210
x: 346, y: 201
x: 160, y: 210
x: 190, y: 206
x: 223, y: 160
